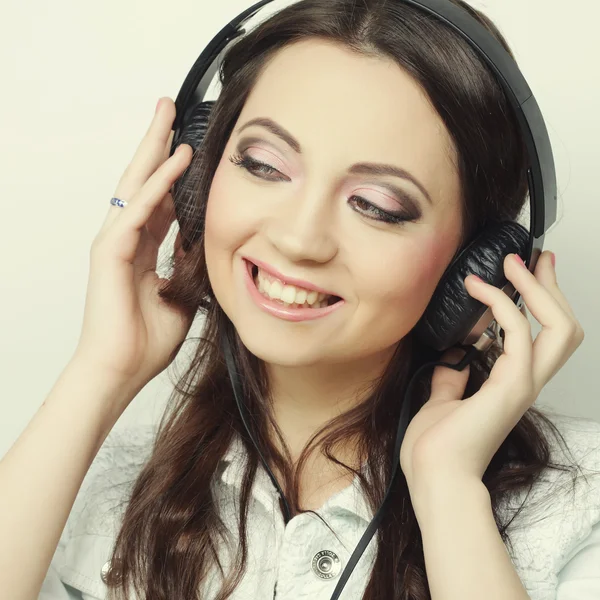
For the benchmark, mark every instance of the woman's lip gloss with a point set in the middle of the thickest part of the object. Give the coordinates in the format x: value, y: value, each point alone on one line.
x: 279, y: 310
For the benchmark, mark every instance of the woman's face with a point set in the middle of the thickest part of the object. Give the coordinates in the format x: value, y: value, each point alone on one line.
x: 314, y: 214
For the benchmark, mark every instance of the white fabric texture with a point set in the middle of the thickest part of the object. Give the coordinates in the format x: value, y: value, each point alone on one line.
x: 556, y: 538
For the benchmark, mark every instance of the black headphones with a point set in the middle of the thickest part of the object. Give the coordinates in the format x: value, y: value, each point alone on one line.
x: 453, y: 317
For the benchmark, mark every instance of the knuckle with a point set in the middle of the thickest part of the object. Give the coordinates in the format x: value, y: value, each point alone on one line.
x: 572, y: 331
x: 96, y: 251
x: 571, y: 328
x: 578, y: 334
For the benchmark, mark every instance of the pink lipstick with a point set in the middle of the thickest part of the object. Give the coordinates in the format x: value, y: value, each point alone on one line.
x: 277, y: 308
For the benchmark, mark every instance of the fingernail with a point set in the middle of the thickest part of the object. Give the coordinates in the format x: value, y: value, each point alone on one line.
x: 157, y: 105
x: 553, y: 258
x: 519, y: 260
x: 477, y: 278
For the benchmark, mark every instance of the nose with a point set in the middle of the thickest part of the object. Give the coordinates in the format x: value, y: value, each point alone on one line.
x: 304, y: 228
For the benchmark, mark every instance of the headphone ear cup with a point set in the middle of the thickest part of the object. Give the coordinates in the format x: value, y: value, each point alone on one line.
x: 186, y: 208
x: 452, y: 313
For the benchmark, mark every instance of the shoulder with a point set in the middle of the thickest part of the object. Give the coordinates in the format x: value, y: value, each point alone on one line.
x: 561, y: 509
x: 95, y: 518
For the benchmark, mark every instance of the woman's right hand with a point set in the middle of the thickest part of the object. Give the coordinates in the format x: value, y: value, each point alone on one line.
x: 128, y: 331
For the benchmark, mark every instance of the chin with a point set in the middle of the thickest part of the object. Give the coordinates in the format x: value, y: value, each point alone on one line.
x: 264, y: 346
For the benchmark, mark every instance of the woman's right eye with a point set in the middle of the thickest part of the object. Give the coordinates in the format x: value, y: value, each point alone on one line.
x: 254, y: 166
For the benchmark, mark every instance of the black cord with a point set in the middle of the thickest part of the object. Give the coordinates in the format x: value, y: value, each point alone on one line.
x: 237, y: 392
x: 402, y: 427
x: 471, y: 352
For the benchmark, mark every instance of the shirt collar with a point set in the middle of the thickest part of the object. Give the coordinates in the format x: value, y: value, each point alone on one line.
x: 350, y: 498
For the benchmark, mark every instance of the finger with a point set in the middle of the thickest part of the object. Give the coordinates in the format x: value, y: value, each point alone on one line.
x: 124, y: 232
x: 513, y: 369
x: 152, y: 151
x: 523, y: 311
x: 153, y: 235
x: 168, y: 146
x: 449, y: 384
x: 545, y: 273
x: 561, y: 333
x: 158, y: 185
x: 161, y: 220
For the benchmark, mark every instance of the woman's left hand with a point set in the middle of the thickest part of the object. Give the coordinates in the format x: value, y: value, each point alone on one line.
x: 450, y: 438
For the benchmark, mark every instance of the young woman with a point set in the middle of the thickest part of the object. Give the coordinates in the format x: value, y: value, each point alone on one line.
x: 290, y: 217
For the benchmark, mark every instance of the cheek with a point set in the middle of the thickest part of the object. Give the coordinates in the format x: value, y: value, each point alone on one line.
x: 408, y: 276
x: 219, y: 235
x: 217, y: 208
x: 224, y: 212
x: 232, y: 213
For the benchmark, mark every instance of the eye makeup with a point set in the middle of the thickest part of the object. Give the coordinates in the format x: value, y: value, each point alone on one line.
x: 254, y: 166
x: 371, y: 211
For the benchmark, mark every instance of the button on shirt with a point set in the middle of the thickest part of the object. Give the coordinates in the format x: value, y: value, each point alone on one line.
x: 304, y: 558
x: 556, y: 553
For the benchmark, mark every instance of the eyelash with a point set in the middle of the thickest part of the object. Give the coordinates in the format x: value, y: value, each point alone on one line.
x: 252, y: 166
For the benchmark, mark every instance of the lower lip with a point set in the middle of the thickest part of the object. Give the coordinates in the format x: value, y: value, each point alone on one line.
x: 279, y: 310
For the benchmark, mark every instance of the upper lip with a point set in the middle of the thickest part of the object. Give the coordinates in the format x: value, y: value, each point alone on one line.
x: 291, y: 280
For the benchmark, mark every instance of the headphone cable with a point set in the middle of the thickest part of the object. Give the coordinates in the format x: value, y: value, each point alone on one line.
x: 403, y: 421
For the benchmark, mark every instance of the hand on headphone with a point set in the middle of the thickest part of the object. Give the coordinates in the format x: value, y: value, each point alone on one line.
x: 452, y: 439
x: 128, y: 332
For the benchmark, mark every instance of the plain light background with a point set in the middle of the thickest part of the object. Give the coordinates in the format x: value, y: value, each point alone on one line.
x: 80, y: 84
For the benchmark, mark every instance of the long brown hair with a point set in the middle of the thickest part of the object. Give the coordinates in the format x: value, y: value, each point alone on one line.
x: 172, y: 521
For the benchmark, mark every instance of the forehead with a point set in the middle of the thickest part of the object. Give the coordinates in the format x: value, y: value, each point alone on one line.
x: 343, y: 107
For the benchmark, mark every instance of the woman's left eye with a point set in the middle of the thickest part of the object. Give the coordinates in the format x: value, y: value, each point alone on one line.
x: 377, y: 214
x: 369, y: 210
x: 253, y: 166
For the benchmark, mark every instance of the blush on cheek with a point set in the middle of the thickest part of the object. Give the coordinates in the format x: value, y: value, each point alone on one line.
x: 219, y: 225
x: 433, y: 259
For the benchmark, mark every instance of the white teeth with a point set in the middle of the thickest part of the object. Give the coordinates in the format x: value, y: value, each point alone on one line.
x: 266, y: 285
x: 301, y: 296
x: 275, y: 290
x: 290, y: 295
x: 312, y: 296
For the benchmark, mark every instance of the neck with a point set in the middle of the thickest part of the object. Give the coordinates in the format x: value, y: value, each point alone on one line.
x: 306, y: 398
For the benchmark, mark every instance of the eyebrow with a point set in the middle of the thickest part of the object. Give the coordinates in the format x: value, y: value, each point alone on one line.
x: 363, y: 168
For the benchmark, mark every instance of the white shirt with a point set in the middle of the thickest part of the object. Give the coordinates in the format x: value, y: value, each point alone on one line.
x: 556, y: 547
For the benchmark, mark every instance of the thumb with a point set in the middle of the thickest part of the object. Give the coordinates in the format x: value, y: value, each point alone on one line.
x: 449, y: 384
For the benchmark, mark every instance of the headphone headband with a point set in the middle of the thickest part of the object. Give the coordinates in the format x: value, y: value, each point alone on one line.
x: 541, y: 173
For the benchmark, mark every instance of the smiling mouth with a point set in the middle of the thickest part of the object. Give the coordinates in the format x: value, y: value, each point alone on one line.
x: 289, y: 295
